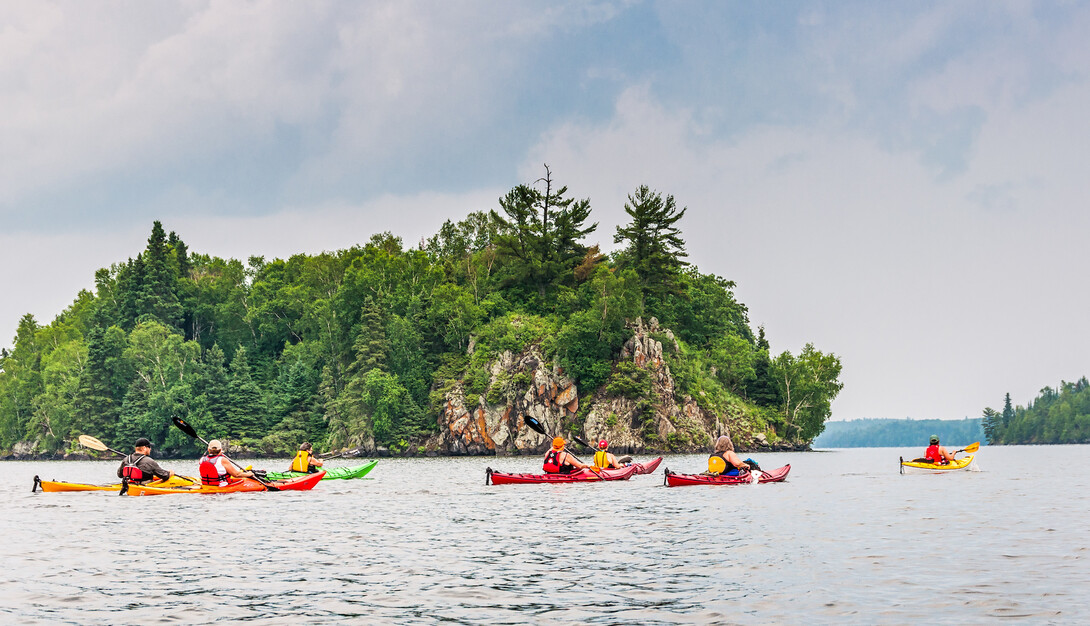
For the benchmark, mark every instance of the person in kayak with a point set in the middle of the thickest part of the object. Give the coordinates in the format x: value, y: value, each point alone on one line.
x: 139, y: 467
x: 216, y: 469
x: 937, y: 454
x: 725, y: 461
x: 560, y: 461
x: 304, y: 460
x: 604, y: 459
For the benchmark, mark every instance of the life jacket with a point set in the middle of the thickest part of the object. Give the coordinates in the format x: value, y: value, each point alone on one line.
x: 933, y: 455
x: 129, y: 470
x: 601, y: 459
x: 213, y: 472
x: 301, y: 462
x: 552, y: 462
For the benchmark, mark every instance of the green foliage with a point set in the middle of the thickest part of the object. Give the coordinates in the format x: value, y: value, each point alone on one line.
x: 1055, y: 416
x: 362, y: 344
x: 653, y: 244
x: 876, y: 433
x: 808, y: 384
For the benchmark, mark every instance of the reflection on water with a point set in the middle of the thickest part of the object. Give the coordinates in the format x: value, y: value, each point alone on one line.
x: 846, y: 538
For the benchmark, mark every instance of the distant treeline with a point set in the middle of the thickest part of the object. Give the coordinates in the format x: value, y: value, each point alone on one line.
x: 898, y: 433
x: 1055, y: 416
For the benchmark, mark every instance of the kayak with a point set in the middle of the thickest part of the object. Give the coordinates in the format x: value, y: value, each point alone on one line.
x: 582, y: 476
x: 302, y: 483
x: 357, y: 471
x: 917, y: 467
x: 649, y: 467
x: 53, y: 486
x: 744, y: 478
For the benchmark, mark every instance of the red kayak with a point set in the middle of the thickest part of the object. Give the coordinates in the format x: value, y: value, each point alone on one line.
x: 648, y: 467
x: 744, y: 478
x: 582, y: 476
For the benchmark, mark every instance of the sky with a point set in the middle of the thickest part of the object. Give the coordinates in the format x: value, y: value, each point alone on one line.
x: 901, y: 184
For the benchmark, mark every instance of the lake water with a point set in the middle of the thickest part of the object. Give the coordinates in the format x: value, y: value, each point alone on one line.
x: 845, y: 539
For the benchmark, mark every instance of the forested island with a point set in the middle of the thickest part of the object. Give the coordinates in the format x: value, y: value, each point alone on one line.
x: 1055, y: 416
x: 884, y: 433
x: 436, y: 349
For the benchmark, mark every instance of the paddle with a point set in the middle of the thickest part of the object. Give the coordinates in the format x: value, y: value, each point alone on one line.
x: 335, y: 455
x: 535, y: 425
x: 87, y: 441
x: 187, y: 429
x: 971, y: 448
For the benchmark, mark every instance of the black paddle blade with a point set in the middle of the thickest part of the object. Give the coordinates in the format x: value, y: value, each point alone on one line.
x: 184, y: 427
x: 534, y: 424
x: 578, y: 440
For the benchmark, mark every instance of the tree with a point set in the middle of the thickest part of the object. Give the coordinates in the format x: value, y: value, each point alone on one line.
x: 808, y: 384
x: 541, y: 236
x: 654, y: 247
x: 1008, y: 411
x: 991, y: 422
x: 246, y: 408
x: 160, y: 281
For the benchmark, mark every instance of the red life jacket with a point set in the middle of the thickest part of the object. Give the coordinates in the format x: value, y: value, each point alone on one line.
x: 129, y: 470
x: 552, y: 462
x: 933, y: 455
x: 212, y: 471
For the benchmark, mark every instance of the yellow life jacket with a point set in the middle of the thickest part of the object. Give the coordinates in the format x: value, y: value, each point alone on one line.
x: 601, y: 459
x: 716, y: 464
x: 301, y: 462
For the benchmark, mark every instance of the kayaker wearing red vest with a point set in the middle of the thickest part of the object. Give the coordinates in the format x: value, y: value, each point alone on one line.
x: 724, y: 460
x: 559, y: 461
x: 304, y: 460
x: 139, y: 467
x: 216, y: 469
x: 938, y: 454
x: 603, y: 459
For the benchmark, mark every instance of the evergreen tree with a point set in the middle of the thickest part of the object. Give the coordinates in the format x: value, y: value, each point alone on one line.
x: 1008, y: 411
x: 541, y: 236
x: 104, y: 382
x: 761, y: 389
x: 160, y: 281
x: 990, y: 422
x: 246, y: 408
x: 654, y: 247
x: 215, y: 390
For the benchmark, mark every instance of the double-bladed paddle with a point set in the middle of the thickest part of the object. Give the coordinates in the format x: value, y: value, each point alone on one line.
x: 334, y: 455
x: 971, y: 448
x: 187, y: 429
x: 87, y: 441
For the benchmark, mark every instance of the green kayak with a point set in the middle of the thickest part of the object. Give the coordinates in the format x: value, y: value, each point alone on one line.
x: 357, y: 471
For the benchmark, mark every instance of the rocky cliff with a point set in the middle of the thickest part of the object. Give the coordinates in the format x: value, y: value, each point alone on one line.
x: 639, y: 414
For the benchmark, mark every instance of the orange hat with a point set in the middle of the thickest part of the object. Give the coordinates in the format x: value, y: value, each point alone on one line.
x: 558, y: 443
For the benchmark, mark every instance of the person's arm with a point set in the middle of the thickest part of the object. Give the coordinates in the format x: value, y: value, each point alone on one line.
x: 315, y: 461
x: 150, y: 466
x: 737, y: 462
x: 234, y: 470
x: 571, y: 460
x: 121, y: 467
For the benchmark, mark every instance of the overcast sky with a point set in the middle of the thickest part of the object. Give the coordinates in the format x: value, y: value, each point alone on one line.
x: 903, y: 184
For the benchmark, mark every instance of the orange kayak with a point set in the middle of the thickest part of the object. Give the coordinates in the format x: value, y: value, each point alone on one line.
x: 302, y: 483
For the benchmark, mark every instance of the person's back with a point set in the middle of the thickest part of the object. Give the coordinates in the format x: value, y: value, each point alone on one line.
x: 934, y: 453
x: 139, y: 467
x: 558, y: 461
x: 304, y: 460
x: 602, y: 457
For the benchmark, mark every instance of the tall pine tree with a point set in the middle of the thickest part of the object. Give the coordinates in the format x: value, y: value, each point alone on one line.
x: 654, y: 247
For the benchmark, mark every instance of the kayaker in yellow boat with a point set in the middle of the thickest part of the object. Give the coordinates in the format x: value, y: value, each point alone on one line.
x: 725, y: 461
x: 217, y: 469
x: 560, y: 461
x: 937, y: 454
x: 304, y: 460
x: 139, y: 467
x: 604, y: 459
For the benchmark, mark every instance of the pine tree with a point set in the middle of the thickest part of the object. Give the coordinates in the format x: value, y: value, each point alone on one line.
x: 1008, y: 411
x: 215, y: 390
x: 541, y: 235
x: 654, y: 247
x: 160, y: 281
x: 103, y: 382
x: 246, y: 407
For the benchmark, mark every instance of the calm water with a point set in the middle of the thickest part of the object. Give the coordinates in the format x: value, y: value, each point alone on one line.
x: 845, y: 539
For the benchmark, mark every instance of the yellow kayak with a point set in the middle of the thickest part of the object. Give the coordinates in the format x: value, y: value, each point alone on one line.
x: 54, y: 486
x: 916, y: 467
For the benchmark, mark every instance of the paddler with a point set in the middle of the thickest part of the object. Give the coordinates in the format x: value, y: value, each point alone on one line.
x: 604, y: 459
x: 217, y: 469
x: 304, y: 460
x: 139, y: 467
x: 560, y: 461
x: 725, y: 461
x: 937, y: 454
